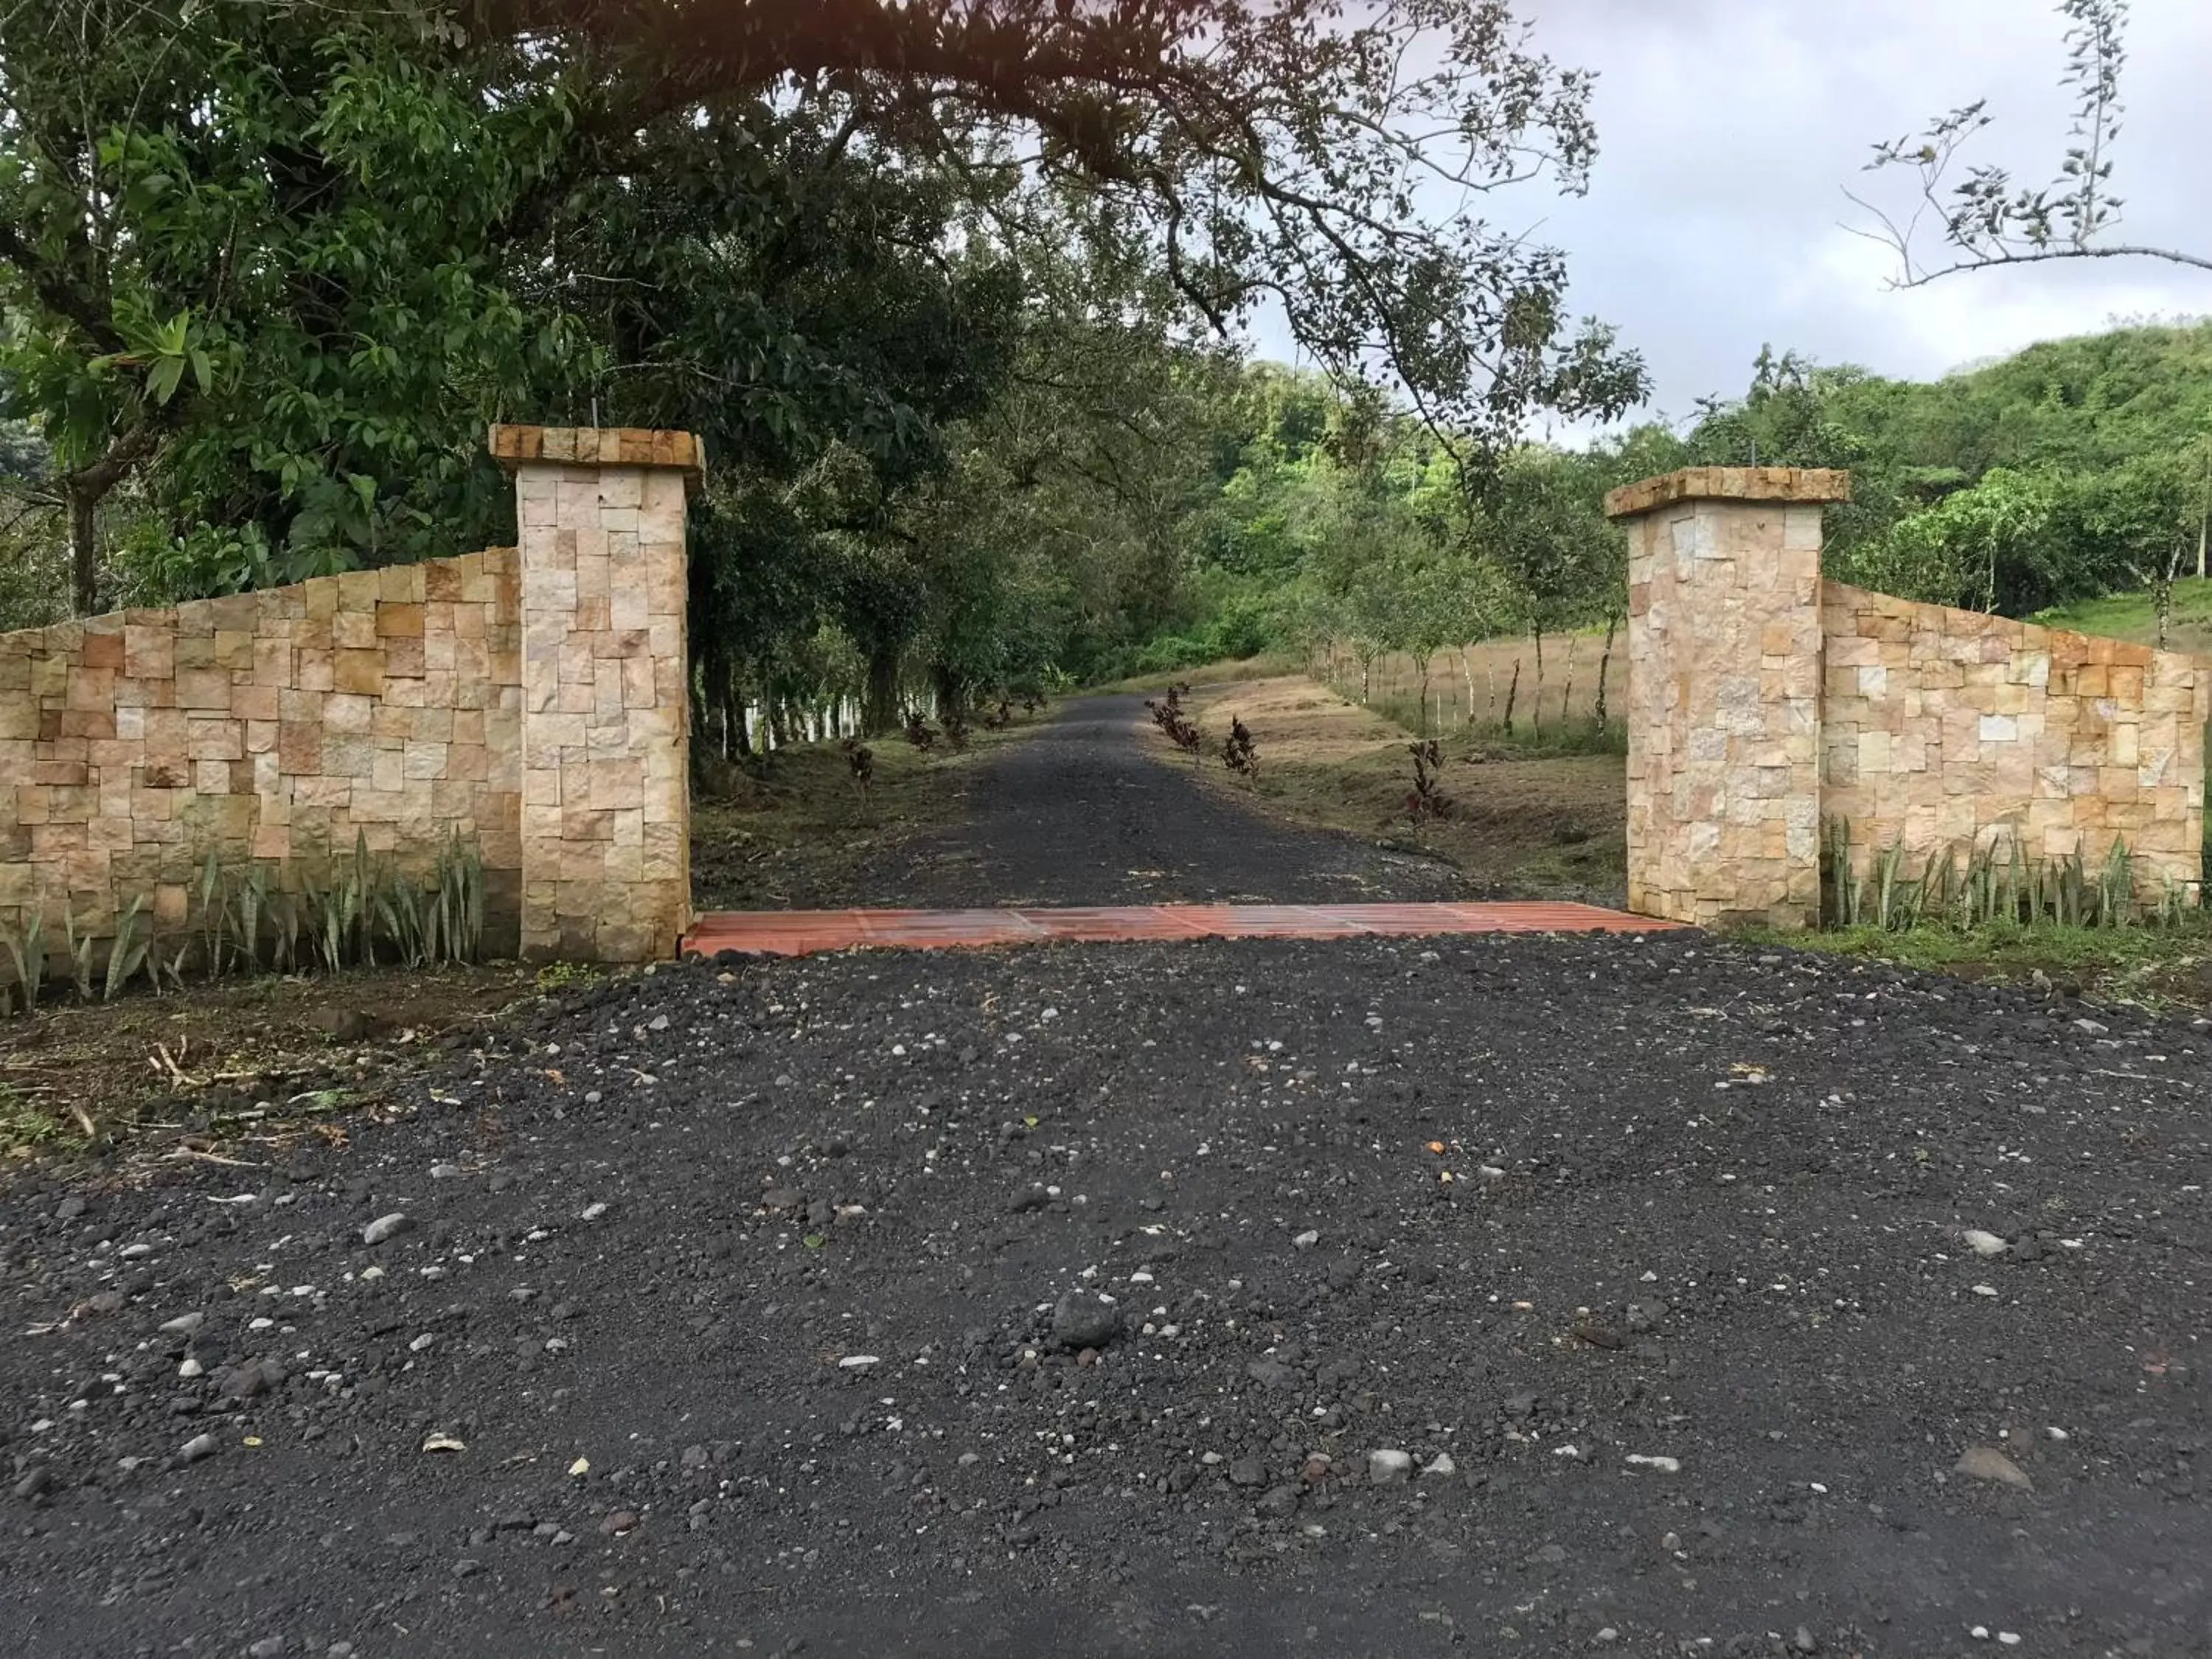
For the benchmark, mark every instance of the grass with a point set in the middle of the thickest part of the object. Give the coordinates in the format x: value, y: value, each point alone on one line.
x: 2134, y: 616
x: 2155, y: 966
x: 34, y: 1124
x: 786, y: 830
x: 1542, y: 821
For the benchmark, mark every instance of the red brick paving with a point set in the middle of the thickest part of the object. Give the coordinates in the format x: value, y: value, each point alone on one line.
x: 800, y: 933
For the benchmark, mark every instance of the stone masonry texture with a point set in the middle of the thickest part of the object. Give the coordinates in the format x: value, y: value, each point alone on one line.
x: 1764, y: 702
x: 538, y: 710
x: 607, y: 708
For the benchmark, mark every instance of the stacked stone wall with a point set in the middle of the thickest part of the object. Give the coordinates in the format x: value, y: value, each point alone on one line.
x: 281, y: 726
x: 1765, y: 704
x: 1944, y: 728
x: 531, y: 701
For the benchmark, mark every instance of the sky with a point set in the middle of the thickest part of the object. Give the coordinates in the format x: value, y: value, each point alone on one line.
x: 1729, y: 130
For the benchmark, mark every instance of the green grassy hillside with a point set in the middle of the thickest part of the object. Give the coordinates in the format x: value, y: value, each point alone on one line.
x: 2134, y: 616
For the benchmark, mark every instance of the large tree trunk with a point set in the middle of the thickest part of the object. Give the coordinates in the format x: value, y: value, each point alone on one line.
x: 84, y: 550
x: 879, y: 709
x: 85, y: 488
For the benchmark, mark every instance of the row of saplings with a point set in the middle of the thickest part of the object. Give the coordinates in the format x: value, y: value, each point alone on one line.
x: 1426, y: 799
x: 917, y: 731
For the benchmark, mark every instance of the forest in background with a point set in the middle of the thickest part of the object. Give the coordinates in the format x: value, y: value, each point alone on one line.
x: 970, y: 356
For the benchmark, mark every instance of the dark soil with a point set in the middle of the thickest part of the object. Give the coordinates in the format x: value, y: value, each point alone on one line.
x: 1707, y: 1204
x: 237, y: 1056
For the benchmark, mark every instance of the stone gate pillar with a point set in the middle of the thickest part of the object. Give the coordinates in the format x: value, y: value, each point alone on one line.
x: 1724, y: 686
x: 606, y: 839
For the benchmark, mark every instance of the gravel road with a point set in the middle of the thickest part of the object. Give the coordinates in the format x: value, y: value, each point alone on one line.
x: 1091, y: 810
x: 1374, y: 1297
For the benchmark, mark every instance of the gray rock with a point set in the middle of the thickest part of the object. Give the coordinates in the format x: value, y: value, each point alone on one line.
x: 269, y: 1647
x: 1988, y: 1463
x: 1985, y: 1245
x: 1274, y: 1374
x: 37, y: 1484
x: 1248, y: 1471
x: 385, y: 1226
x: 1440, y: 1466
x: 1279, y: 1501
x: 1804, y: 1641
x: 1083, y: 1319
x: 70, y: 1208
x: 183, y: 1325
x: 1387, y: 1468
x: 250, y: 1380
x: 1646, y: 1314
x: 199, y: 1446
x: 784, y: 1198
x: 1028, y: 1200
x: 1306, y: 1239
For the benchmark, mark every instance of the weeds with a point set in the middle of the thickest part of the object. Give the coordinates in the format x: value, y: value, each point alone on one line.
x: 26, y: 1121
x: 560, y: 976
x: 1428, y: 799
x: 917, y: 731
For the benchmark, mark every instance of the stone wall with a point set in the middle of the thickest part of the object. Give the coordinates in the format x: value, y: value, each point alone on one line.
x: 605, y: 737
x: 270, y: 726
x: 1723, y: 694
x: 530, y: 700
x: 1764, y: 702
x: 1943, y: 728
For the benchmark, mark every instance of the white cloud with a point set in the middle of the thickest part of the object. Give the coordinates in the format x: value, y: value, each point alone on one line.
x: 1731, y: 128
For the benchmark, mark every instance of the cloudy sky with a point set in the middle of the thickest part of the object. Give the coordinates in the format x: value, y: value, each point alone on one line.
x: 1730, y: 129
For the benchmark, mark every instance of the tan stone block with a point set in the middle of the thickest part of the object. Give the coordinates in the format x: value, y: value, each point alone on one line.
x: 359, y: 672
x: 202, y: 688
x: 403, y: 660
x: 103, y: 644
x: 424, y: 760
x: 353, y: 630
x: 398, y: 620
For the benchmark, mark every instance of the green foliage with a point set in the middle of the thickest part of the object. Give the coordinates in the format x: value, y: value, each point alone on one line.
x: 1997, y: 882
x: 245, y: 920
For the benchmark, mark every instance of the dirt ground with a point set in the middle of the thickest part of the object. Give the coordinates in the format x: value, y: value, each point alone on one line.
x: 1545, y: 826
x: 1656, y: 1295
x: 264, y: 1060
x: 794, y: 830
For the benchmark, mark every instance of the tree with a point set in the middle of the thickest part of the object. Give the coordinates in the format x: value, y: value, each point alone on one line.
x: 1989, y: 219
x: 1269, y: 146
x: 261, y: 245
